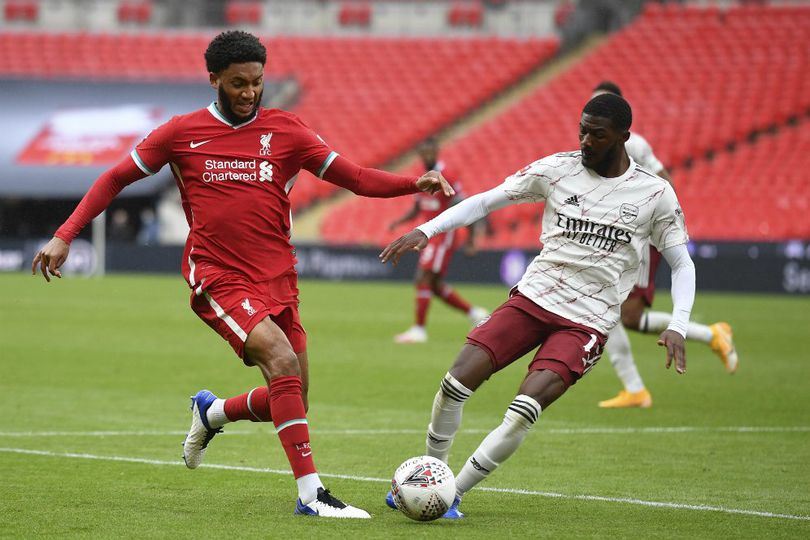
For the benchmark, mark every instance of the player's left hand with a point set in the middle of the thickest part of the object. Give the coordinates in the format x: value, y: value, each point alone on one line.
x: 676, y: 351
x: 432, y: 182
x: 414, y: 240
x: 470, y: 250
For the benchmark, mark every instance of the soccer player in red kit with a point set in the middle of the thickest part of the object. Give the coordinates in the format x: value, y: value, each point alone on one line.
x: 235, y: 163
x: 435, y: 258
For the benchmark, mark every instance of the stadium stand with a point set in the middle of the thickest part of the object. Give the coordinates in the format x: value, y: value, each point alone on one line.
x: 25, y: 11
x: 702, y: 81
x: 370, y: 98
x: 241, y: 13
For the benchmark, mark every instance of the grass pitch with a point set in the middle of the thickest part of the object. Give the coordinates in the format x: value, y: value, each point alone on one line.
x: 95, y: 377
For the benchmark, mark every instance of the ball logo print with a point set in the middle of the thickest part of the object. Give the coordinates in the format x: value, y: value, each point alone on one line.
x: 423, y: 488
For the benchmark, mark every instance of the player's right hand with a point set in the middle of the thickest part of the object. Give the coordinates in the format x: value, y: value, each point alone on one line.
x: 433, y: 182
x: 50, y: 258
x: 413, y: 241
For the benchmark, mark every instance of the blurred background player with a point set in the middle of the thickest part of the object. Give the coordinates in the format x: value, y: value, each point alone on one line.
x: 235, y: 163
x: 596, y: 226
x: 635, y: 310
x: 434, y: 260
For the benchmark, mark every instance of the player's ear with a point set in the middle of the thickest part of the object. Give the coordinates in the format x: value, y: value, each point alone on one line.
x: 625, y: 135
x: 213, y: 79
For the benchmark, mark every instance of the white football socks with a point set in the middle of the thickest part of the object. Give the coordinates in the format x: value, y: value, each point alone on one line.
x: 655, y: 322
x: 308, y: 487
x: 621, y: 356
x: 501, y: 443
x: 216, y: 414
x: 445, y: 417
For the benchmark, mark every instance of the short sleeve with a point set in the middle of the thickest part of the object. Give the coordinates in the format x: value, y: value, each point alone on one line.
x: 668, y: 223
x: 155, y: 150
x: 532, y: 182
x: 314, y: 154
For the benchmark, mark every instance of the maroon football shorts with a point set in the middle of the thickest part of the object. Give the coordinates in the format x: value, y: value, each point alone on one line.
x: 435, y: 257
x: 519, y: 325
x: 647, y: 292
x: 233, y: 305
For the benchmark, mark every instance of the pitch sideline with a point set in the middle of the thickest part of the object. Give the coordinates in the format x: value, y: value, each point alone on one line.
x: 547, y: 494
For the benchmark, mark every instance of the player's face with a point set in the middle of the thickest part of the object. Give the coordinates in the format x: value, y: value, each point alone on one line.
x: 239, y: 88
x: 429, y: 154
x: 599, y: 141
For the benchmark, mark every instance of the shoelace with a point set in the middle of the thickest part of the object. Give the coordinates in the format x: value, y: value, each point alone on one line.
x: 209, y: 434
x: 327, y: 498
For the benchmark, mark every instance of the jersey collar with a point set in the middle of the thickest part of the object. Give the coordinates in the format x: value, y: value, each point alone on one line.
x: 624, y: 176
x: 218, y: 115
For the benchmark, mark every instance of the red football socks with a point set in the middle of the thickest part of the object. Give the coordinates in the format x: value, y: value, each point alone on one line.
x: 451, y: 298
x: 253, y: 406
x: 423, y: 296
x: 290, y: 420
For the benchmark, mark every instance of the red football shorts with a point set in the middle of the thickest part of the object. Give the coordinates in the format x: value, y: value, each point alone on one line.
x: 233, y: 305
x: 435, y: 257
x: 519, y: 325
x: 645, y: 287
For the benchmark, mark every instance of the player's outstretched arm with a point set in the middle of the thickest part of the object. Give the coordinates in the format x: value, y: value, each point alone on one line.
x: 370, y: 182
x: 54, y: 254
x: 464, y: 213
x: 413, y: 241
x: 683, y: 297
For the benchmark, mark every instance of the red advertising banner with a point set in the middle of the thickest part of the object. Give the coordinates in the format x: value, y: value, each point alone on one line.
x: 89, y: 136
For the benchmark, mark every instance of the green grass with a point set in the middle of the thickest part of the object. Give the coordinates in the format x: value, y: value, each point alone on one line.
x: 123, y: 354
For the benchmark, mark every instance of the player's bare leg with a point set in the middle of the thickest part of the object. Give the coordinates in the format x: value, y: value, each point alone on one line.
x: 620, y: 353
x: 718, y: 336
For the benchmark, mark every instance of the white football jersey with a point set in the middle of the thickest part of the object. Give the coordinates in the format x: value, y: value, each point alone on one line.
x: 594, y: 232
x: 642, y: 153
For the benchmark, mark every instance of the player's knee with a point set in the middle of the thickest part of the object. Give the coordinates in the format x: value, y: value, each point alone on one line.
x: 631, y: 319
x: 275, y: 360
x: 472, y: 367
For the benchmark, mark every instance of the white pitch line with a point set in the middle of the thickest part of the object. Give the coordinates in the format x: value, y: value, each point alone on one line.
x: 540, y: 430
x: 548, y: 494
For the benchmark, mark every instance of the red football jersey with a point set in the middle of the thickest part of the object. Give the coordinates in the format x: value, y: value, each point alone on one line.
x: 431, y: 206
x: 235, y: 183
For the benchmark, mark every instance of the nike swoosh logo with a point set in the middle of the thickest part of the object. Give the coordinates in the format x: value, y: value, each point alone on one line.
x: 192, y: 144
x: 306, y: 454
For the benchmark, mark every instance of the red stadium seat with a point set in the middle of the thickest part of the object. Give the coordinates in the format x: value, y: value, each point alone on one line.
x: 138, y: 12
x: 21, y: 10
x: 243, y: 12
x: 469, y: 14
x: 355, y: 14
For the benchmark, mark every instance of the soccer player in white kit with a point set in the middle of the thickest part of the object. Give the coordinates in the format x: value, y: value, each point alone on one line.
x: 601, y: 210
x: 635, y: 311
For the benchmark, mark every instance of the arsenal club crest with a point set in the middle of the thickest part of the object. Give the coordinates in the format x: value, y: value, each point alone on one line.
x: 628, y: 212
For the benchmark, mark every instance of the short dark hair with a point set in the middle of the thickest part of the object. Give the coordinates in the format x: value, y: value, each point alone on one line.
x: 613, y: 107
x: 233, y: 47
x: 608, y: 86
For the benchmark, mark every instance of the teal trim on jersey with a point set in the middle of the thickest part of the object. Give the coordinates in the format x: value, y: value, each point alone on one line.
x: 328, y: 161
x: 219, y: 116
x: 139, y: 162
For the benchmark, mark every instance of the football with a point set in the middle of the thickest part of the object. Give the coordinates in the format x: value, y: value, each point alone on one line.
x: 423, y: 488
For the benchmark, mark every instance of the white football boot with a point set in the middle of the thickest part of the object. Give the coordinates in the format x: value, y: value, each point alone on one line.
x: 326, y: 505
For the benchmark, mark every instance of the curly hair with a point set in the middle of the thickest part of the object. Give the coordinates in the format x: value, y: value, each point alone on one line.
x: 613, y: 107
x: 233, y: 47
x: 608, y: 86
